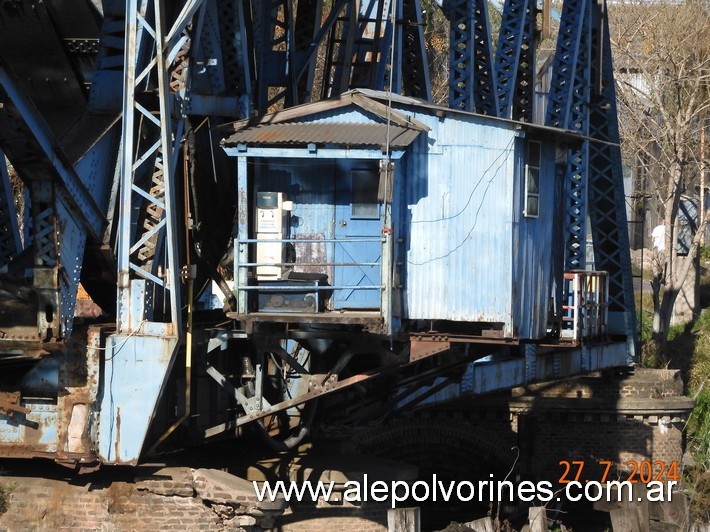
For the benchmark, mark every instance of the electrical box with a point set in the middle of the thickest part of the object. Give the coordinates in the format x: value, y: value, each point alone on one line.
x: 271, y: 223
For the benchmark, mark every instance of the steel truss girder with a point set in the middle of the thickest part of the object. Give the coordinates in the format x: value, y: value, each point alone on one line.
x: 607, y: 205
x: 575, y: 197
x: 273, y: 26
x: 308, y: 16
x: 471, y: 76
x: 414, y: 68
x: 63, y: 208
x: 234, y: 21
x: 220, y: 62
x: 107, y: 78
x: 148, y: 212
x: 359, y: 49
x: 67, y: 181
x: 140, y: 354
x: 46, y: 254
x: 212, y: 69
x: 58, y: 242
x: 515, y: 60
x: 31, y: 145
x: 568, y: 108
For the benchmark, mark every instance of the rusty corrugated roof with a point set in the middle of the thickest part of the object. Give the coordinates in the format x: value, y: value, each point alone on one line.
x: 341, y: 134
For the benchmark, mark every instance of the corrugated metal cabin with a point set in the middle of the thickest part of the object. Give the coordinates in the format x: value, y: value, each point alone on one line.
x: 395, y: 214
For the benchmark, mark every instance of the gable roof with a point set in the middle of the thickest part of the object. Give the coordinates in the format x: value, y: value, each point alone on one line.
x: 342, y: 134
x: 387, y: 126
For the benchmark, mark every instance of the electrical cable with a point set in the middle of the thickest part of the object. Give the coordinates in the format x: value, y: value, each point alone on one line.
x: 468, y: 235
x: 470, y: 197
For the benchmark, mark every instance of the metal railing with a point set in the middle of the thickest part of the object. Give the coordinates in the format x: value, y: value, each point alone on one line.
x: 586, y: 296
x: 321, y: 290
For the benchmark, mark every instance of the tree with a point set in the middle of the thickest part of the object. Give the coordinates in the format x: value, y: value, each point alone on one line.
x: 662, y: 57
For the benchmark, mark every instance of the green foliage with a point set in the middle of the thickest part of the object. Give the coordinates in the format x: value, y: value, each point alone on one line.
x: 688, y: 349
x: 676, y: 332
x: 700, y: 364
x: 5, y: 491
x: 705, y: 253
x: 697, y: 480
x: 697, y: 486
x: 649, y: 352
x: 698, y: 428
x: 699, y: 431
x: 699, y: 422
x: 645, y: 324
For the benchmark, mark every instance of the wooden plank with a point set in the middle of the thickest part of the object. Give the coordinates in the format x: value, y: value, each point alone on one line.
x: 537, y: 517
x: 674, y: 511
x: 628, y: 520
x: 403, y: 520
x: 640, y: 495
x: 480, y: 525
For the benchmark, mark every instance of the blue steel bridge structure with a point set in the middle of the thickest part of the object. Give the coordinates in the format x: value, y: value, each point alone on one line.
x: 281, y: 227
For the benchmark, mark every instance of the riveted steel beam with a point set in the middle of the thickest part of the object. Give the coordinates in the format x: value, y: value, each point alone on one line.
x: 568, y: 108
x: 515, y: 60
x: 607, y: 205
x: 471, y: 76
x: 414, y: 67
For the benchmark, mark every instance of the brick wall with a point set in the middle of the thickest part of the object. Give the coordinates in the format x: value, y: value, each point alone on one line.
x: 635, y: 418
x: 167, y: 499
x: 644, y: 383
x: 591, y: 439
x: 306, y: 518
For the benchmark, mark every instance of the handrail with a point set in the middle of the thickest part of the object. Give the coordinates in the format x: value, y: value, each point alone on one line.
x: 310, y: 264
x: 321, y: 291
x: 309, y: 240
x: 585, y: 307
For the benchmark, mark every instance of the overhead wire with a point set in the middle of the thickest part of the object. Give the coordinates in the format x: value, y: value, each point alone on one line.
x: 505, y: 151
x: 475, y: 220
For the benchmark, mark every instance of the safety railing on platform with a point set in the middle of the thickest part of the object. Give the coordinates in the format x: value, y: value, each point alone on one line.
x: 586, y: 296
x: 311, y: 285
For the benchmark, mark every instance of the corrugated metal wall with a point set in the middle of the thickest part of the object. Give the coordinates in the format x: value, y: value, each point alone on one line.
x: 532, y: 247
x: 459, y: 201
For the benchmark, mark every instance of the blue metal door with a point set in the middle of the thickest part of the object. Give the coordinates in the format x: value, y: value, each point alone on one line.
x: 358, y: 246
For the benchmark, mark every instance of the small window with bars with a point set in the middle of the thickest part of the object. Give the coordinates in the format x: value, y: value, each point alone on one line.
x: 532, y: 179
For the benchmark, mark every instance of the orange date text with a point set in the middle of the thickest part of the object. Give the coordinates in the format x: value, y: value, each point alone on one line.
x: 644, y: 471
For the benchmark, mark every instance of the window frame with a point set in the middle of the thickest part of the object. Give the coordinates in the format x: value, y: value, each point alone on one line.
x: 353, y: 183
x: 527, y: 195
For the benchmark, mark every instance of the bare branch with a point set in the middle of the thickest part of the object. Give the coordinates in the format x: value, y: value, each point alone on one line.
x: 662, y: 54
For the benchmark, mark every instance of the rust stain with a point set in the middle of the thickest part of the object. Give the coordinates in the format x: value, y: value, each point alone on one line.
x: 243, y: 202
x: 118, y: 432
x: 10, y: 404
x: 23, y: 450
x: 308, y: 253
x: 79, y: 376
x: 425, y: 348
